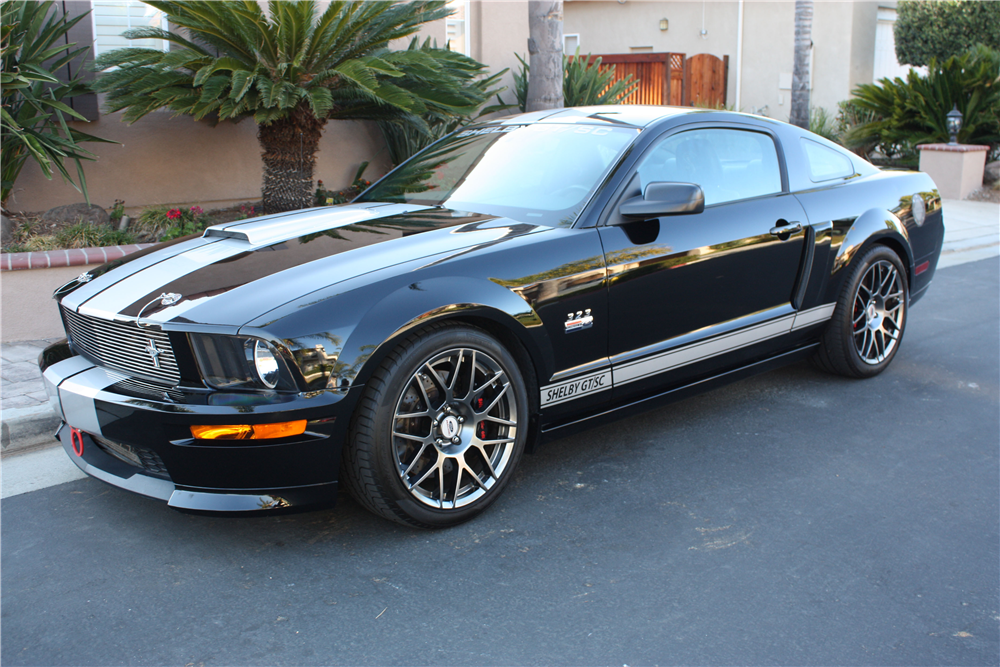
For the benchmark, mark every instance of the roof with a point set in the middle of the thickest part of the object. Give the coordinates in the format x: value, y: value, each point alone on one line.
x: 629, y: 114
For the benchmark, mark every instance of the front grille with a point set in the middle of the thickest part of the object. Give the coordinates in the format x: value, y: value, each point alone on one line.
x: 139, y: 457
x: 124, y: 346
x: 139, y: 388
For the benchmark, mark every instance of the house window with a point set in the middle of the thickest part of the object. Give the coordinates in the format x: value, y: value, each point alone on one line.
x: 571, y: 43
x: 457, y: 27
x: 886, y: 65
x: 113, y: 17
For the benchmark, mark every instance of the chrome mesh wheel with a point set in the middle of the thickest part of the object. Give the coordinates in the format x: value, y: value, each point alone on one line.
x: 878, y: 312
x: 454, y: 428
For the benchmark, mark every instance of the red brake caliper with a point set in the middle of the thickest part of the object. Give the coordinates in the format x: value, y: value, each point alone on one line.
x: 482, y: 425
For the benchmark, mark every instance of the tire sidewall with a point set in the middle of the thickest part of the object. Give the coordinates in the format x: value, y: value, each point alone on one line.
x: 400, y: 374
x: 844, y: 315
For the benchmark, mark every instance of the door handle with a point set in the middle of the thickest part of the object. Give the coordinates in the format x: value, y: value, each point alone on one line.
x: 789, y: 229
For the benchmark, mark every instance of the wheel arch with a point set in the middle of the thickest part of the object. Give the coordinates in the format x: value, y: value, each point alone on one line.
x: 474, y: 302
x: 874, y: 227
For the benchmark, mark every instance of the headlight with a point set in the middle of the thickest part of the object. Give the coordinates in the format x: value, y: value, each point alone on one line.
x: 266, y: 364
x: 240, y: 362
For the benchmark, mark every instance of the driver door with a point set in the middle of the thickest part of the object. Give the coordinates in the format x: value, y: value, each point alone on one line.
x: 690, y: 294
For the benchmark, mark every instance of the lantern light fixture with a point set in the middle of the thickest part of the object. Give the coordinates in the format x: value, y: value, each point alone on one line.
x: 954, y: 122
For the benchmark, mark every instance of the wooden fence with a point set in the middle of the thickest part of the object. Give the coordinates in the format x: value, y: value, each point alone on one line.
x: 670, y: 78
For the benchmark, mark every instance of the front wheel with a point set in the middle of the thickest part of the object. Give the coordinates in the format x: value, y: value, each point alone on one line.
x: 439, y: 430
x: 869, y: 319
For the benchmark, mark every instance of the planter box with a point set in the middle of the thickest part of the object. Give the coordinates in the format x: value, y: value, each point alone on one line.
x: 957, y: 169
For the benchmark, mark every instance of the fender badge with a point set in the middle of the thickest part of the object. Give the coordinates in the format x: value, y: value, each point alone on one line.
x: 581, y: 319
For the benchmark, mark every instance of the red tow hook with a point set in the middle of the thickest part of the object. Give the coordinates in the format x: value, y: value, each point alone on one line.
x: 76, y: 437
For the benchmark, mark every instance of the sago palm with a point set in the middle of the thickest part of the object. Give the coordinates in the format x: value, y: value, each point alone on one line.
x: 291, y: 69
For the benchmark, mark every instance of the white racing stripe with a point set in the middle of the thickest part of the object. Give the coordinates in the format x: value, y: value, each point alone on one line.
x: 632, y: 371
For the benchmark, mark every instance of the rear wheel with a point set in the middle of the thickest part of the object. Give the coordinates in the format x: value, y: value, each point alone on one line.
x: 439, y: 430
x: 869, y: 319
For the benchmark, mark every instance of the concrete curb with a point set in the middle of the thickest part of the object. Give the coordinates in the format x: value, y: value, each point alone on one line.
x: 27, y: 428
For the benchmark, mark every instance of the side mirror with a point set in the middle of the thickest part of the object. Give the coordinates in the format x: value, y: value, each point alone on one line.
x: 664, y: 199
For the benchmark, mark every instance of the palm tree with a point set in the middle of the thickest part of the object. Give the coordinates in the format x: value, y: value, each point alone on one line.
x: 545, y: 54
x: 291, y: 69
x: 800, y: 70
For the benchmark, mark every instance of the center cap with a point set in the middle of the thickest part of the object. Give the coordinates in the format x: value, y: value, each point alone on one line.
x: 871, y: 311
x: 449, y: 427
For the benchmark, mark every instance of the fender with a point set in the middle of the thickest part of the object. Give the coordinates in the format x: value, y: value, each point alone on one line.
x: 875, y: 225
x: 437, y: 299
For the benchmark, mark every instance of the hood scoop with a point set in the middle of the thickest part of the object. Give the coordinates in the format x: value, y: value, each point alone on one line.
x: 279, y: 227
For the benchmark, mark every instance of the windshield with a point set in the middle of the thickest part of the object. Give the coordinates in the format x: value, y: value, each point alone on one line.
x: 543, y: 173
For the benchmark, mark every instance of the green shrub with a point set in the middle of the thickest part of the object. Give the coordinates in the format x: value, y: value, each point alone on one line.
x: 927, y: 29
x: 163, y: 223
x: 905, y: 113
x: 584, y: 83
x: 823, y: 124
x: 87, y: 235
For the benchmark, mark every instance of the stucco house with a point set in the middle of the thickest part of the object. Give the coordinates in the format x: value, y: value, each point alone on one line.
x: 176, y: 160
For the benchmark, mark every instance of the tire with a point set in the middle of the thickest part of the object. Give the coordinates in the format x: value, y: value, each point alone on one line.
x: 869, y: 319
x: 439, y: 430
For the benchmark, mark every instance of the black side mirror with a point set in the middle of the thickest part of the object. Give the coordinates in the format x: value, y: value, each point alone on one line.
x: 664, y: 199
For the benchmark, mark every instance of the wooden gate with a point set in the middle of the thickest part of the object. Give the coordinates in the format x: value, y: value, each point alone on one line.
x: 660, y: 76
x: 670, y: 78
x: 705, y: 78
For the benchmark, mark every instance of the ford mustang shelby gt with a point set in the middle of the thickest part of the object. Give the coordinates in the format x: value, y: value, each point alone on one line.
x: 512, y: 283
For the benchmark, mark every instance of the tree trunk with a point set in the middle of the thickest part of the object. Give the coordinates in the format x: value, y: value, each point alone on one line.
x: 800, y: 72
x: 288, y: 148
x: 545, y: 50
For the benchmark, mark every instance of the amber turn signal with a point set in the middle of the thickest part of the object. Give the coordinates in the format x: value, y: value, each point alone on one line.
x: 248, y: 432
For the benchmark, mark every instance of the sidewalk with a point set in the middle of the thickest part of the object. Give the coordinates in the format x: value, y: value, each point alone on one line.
x: 972, y: 232
x: 26, y: 420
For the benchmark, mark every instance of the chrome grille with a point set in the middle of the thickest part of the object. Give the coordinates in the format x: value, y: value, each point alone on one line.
x: 123, y: 346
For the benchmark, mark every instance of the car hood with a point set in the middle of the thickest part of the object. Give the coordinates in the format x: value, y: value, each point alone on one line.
x: 238, y: 271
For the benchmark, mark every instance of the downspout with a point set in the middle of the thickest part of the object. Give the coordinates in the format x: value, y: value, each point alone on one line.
x: 739, y: 57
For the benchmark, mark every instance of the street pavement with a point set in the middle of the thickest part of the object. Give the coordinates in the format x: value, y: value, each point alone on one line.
x: 791, y: 518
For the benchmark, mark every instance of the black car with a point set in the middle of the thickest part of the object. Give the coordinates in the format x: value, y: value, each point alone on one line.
x: 515, y: 282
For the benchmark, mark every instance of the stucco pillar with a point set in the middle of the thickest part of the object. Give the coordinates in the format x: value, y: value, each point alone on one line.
x: 957, y: 169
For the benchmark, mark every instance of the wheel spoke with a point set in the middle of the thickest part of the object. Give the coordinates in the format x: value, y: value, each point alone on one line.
x: 501, y: 441
x: 423, y: 392
x: 473, y: 475
x: 430, y: 471
x: 486, y: 458
x: 416, y: 438
x: 440, y: 383
x: 416, y: 458
x: 498, y: 397
x: 498, y: 420
x: 869, y: 341
x: 472, y: 377
x: 441, y: 486
x: 414, y: 415
x: 454, y: 372
x: 493, y: 379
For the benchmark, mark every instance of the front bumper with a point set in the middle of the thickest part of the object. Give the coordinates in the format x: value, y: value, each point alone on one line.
x: 145, y: 445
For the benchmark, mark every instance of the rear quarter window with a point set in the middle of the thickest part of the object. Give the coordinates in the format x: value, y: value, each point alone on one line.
x: 826, y: 164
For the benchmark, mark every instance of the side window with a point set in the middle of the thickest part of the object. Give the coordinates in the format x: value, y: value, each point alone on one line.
x: 727, y: 164
x: 825, y: 163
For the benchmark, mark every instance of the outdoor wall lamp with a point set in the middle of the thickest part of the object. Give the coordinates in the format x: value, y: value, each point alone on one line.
x: 954, y: 121
x: 664, y: 25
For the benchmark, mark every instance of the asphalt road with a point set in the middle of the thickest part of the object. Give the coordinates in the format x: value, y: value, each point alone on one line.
x: 793, y: 518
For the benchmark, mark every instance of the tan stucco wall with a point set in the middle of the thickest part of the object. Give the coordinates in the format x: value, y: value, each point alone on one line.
x: 177, y: 160
x: 843, y: 39
x: 27, y: 311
